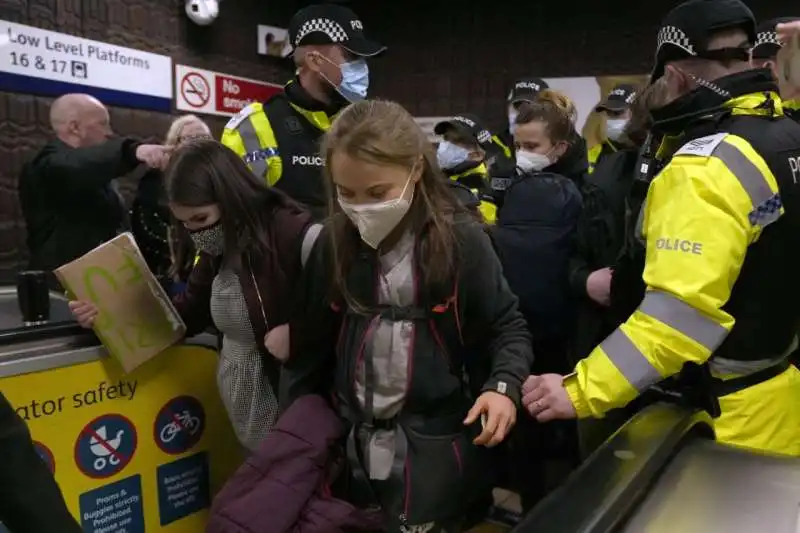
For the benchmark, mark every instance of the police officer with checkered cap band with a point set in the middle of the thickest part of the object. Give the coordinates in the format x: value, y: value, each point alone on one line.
x: 617, y: 108
x: 765, y: 55
x: 279, y: 139
x: 720, y: 223
x: 462, y: 156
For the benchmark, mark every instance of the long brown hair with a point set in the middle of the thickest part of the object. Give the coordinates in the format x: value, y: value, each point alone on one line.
x: 384, y: 133
x: 204, y: 172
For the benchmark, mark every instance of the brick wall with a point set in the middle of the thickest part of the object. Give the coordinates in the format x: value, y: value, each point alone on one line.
x: 444, y: 57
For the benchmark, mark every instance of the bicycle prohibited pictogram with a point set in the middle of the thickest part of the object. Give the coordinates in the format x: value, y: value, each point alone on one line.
x: 179, y: 425
x: 105, y: 446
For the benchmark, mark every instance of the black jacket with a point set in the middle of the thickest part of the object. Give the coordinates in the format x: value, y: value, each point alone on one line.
x: 298, y: 140
x: 150, y: 221
x: 325, y: 339
x: 468, y: 336
x: 535, y: 237
x: 68, y: 201
x: 30, y: 500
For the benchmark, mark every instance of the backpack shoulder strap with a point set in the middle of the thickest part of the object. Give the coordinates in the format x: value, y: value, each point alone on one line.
x: 309, y: 240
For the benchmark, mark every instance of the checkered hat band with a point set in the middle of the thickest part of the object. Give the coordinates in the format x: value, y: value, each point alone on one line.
x: 767, y: 37
x: 676, y: 37
x: 329, y: 27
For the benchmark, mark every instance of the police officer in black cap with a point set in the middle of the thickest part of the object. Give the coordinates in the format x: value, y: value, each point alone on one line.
x: 462, y: 154
x: 617, y: 109
x: 765, y: 55
x: 279, y: 139
x: 720, y: 223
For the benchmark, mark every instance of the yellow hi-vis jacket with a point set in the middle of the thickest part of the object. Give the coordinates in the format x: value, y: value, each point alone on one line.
x: 487, y: 208
x: 695, y: 222
x: 598, y: 151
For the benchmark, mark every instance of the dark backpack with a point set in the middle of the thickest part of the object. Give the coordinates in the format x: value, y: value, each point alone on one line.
x: 597, y: 231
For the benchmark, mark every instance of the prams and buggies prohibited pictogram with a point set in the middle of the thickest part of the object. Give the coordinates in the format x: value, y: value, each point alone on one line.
x: 105, y: 446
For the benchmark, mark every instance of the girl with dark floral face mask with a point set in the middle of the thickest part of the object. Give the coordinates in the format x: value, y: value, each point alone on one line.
x: 249, y: 240
x: 402, y: 295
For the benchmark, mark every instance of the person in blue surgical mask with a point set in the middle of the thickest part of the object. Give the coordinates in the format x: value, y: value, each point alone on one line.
x: 279, y: 139
x: 617, y: 109
x: 461, y: 155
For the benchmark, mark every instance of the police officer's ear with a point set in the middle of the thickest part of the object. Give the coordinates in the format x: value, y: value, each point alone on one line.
x: 308, y: 58
x: 477, y: 154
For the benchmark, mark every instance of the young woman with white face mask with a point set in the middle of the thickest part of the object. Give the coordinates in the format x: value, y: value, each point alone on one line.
x: 544, y: 131
x: 535, y: 240
x: 399, y: 293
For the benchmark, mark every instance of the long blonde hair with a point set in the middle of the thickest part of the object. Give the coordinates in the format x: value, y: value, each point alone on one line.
x: 384, y: 133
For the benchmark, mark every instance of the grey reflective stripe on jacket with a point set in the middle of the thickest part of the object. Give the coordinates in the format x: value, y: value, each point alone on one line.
x: 252, y: 145
x: 766, y: 204
x: 676, y: 314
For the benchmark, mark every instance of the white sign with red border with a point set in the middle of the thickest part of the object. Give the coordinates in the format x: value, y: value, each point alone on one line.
x: 214, y: 93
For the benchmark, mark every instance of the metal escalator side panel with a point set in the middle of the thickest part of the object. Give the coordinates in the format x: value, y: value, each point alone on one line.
x: 606, y: 488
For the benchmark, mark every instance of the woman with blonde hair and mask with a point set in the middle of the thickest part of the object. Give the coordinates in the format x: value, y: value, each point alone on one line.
x: 535, y: 239
x: 400, y: 285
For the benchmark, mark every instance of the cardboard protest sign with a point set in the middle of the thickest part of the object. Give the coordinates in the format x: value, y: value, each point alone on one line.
x: 136, y: 319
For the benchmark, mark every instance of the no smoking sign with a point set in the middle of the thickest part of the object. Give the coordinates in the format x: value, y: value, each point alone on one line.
x: 195, y: 89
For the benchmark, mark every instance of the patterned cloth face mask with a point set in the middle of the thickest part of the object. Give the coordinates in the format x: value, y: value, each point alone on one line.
x: 210, y: 239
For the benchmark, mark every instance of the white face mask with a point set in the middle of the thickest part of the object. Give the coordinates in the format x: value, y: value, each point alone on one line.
x: 376, y: 221
x: 451, y: 155
x: 615, y: 127
x: 532, y: 161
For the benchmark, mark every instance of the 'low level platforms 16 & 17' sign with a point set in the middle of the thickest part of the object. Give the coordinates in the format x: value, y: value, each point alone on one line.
x: 204, y: 91
x: 36, y: 61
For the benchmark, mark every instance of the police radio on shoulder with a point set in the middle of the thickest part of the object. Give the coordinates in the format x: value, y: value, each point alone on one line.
x: 202, y: 12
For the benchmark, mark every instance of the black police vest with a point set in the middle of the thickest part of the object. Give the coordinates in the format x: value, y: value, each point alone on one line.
x: 764, y: 299
x: 299, y: 148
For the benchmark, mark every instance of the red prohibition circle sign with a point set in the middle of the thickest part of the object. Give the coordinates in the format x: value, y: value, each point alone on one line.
x: 195, y: 89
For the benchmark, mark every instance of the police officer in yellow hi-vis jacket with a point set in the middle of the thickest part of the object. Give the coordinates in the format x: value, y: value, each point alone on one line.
x: 721, y: 223
x: 279, y: 139
x: 462, y: 156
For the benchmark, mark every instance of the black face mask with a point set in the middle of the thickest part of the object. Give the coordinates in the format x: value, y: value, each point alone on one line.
x: 210, y: 239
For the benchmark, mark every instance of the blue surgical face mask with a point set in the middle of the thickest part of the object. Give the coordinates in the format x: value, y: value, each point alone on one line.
x: 451, y: 155
x: 355, y: 80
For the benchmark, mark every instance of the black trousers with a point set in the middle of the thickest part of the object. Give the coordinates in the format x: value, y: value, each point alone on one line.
x: 542, y: 454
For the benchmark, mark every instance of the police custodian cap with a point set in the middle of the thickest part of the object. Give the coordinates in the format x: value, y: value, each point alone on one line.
x: 767, y: 43
x: 526, y: 89
x: 331, y: 24
x: 686, y: 30
x: 470, y: 126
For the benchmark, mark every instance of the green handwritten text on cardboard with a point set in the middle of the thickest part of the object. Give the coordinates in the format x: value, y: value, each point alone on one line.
x: 126, y: 335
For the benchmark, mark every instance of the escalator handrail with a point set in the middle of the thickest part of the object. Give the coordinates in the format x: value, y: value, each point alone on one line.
x: 605, y: 489
x: 44, y: 332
